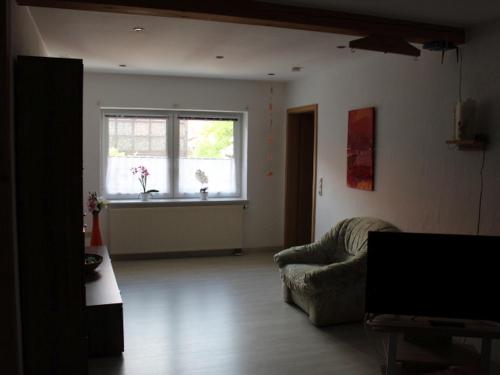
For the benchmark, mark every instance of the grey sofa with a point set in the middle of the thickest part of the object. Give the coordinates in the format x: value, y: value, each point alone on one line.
x: 326, y: 279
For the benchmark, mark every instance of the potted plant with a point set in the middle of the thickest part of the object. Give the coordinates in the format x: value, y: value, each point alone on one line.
x: 203, y: 179
x: 143, y: 174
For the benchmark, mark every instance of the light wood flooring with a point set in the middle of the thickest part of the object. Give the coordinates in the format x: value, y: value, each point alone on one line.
x: 225, y: 316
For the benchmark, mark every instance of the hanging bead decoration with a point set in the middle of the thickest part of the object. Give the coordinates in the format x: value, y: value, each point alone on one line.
x: 270, y: 135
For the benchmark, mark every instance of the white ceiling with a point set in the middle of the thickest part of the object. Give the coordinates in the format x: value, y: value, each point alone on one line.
x: 181, y: 47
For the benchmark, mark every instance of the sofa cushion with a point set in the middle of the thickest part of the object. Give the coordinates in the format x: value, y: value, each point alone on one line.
x: 352, y: 235
x: 293, y: 276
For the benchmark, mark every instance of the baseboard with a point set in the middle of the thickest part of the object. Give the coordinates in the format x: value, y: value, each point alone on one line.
x: 265, y: 249
x: 174, y: 254
x: 195, y: 253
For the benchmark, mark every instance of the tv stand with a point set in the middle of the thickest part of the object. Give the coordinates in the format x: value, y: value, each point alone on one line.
x: 446, y: 323
x: 104, y: 308
x: 453, y: 354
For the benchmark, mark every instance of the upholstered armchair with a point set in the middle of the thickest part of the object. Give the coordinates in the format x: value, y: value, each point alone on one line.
x: 326, y: 279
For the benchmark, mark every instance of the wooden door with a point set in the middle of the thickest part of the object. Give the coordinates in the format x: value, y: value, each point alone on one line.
x: 300, y: 180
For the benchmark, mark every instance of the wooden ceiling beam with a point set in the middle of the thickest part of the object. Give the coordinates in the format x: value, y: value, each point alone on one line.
x: 268, y: 14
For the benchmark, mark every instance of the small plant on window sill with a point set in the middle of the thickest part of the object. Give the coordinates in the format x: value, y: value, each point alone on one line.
x: 203, y: 179
x: 143, y: 179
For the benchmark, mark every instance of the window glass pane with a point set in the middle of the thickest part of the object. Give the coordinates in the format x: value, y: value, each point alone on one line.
x: 157, y: 128
x: 112, y: 127
x: 124, y: 126
x: 207, y: 145
x: 141, y: 128
x: 142, y: 144
x: 112, y: 141
x: 125, y: 144
x: 135, y: 145
x: 158, y: 143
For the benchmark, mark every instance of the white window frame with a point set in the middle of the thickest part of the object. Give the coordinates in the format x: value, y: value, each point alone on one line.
x: 172, y: 133
x: 237, y: 135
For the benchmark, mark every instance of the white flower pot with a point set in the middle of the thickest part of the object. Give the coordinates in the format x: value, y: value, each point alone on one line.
x: 203, y: 195
x: 145, y: 196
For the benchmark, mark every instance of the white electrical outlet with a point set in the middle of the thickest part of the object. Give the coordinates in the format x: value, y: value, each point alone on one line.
x: 320, y: 190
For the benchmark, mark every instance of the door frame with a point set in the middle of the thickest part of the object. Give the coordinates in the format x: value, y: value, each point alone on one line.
x: 311, y: 108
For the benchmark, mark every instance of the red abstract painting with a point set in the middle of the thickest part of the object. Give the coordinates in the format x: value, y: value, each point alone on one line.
x: 360, y: 148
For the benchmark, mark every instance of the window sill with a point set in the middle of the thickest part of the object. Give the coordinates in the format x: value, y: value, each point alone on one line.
x: 132, y: 203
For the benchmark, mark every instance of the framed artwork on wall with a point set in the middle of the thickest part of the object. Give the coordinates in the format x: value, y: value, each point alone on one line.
x: 360, y: 148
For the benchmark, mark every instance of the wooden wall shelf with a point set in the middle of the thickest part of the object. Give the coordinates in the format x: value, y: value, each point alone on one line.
x: 468, y: 145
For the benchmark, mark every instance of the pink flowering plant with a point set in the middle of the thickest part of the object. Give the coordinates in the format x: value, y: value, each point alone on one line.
x: 94, y: 203
x: 142, y: 174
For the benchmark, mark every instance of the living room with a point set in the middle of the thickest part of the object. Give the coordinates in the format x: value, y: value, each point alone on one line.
x: 421, y: 184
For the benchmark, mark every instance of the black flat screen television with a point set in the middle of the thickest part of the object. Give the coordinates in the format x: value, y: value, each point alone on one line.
x: 433, y: 275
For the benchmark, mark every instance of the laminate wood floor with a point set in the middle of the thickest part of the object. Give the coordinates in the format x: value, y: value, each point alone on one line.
x: 225, y: 316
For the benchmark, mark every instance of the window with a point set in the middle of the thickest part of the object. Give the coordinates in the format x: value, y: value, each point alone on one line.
x: 172, y: 146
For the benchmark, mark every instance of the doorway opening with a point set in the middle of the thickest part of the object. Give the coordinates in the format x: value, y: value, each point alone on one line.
x: 300, y: 175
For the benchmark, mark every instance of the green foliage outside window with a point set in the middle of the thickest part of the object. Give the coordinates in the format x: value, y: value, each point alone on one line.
x: 115, y: 152
x: 215, y: 141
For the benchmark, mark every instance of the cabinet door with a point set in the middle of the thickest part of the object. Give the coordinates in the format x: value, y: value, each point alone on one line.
x: 48, y: 141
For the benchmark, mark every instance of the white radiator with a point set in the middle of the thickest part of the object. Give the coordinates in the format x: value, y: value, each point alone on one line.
x: 141, y: 230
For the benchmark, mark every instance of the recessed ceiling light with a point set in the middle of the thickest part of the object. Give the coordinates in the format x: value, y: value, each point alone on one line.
x: 340, y: 47
x: 138, y: 29
x: 271, y: 74
x: 297, y: 68
x: 122, y: 65
x: 220, y: 57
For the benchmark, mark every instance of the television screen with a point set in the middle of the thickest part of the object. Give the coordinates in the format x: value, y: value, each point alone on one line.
x: 434, y: 275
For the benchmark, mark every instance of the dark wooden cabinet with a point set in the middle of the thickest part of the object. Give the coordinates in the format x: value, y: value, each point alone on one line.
x: 48, y: 159
x: 104, y: 308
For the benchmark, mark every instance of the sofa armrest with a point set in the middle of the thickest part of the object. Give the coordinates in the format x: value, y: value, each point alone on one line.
x: 340, y: 275
x: 305, y: 254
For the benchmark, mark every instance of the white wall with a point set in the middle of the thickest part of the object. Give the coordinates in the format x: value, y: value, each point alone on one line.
x: 26, y: 38
x: 263, y: 219
x: 482, y: 78
x: 420, y: 183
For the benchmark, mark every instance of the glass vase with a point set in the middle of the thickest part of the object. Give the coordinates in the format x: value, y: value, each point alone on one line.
x: 96, y: 239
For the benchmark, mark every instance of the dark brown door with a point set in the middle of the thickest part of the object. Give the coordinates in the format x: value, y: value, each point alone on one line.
x: 300, y: 176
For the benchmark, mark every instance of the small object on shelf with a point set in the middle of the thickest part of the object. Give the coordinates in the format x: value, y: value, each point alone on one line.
x: 92, y: 261
x: 96, y: 239
x: 465, y: 120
